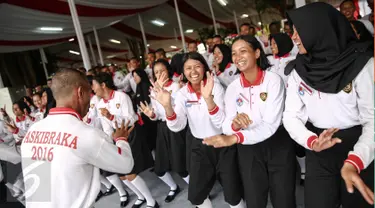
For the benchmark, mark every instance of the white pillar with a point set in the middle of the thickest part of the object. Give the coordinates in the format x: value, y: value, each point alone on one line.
x: 98, y: 45
x: 44, y: 61
x: 236, y: 21
x: 143, y: 33
x: 300, y: 3
x: 213, y: 16
x: 1, y: 82
x: 81, y: 40
x: 180, y: 25
x: 92, y: 51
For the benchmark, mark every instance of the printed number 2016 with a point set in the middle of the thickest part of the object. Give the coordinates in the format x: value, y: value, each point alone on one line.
x: 40, y: 153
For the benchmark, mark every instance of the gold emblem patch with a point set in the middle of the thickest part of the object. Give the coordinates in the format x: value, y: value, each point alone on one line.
x: 263, y: 96
x: 92, y: 105
x: 348, y: 88
x: 118, y: 105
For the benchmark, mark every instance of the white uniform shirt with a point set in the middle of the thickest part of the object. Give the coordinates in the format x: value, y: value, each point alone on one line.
x: 210, y: 59
x: 93, y: 119
x: 279, y: 64
x: 148, y: 71
x: 39, y: 114
x: 266, y: 49
x: 352, y: 106
x: 6, y: 137
x: 159, y: 112
x: 191, y: 107
x: 23, y: 124
x: 229, y: 75
x: 67, y: 158
x: 129, y: 83
x: 262, y: 101
x: 120, y: 107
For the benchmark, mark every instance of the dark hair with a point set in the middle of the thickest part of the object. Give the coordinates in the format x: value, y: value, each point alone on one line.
x: 227, y: 55
x: 286, y: 23
x: 105, y: 78
x: 51, y: 102
x: 193, y: 42
x: 275, y: 23
x: 22, y: 105
x: 262, y: 61
x: 90, y: 78
x: 245, y: 24
x: 217, y: 36
x: 160, y: 50
x: 49, y: 79
x: 29, y: 100
x: 134, y: 58
x: 364, y: 34
x: 343, y: 2
x: 167, y: 66
x: 151, y: 52
x: 176, y: 63
x: 143, y: 88
x: 38, y: 94
x: 198, y: 57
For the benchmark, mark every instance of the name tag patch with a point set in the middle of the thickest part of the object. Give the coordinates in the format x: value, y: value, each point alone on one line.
x: 190, y: 103
x: 303, y: 88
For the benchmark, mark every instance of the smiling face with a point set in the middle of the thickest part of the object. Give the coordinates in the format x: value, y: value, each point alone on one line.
x: 244, y: 56
x: 218, y: 55
x: 137, y: 79
x: 37, y: 101
x: 194, y: 71
x: 98, y: 88
x: 348, y: 9
x: 159, y: 69
x: 274, y: 48
x: 297, y: 40
x: 17, y: 111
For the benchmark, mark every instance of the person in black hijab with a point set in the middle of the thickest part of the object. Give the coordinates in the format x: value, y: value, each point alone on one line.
x: 142, y: 95
x: 329, y: 107
x: 283, y: 42
x: 48, y: 100
x: 177, y: 67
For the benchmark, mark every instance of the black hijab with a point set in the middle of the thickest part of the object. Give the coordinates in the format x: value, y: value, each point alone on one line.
x: 227, y: 56
x: 51, y: 102
x: 143, y: 88
x: 284, y: 43
x: 334, y: 56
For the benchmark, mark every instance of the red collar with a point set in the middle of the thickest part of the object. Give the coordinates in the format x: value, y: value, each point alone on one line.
x: 23, y: 118
x: 258, y: 81
x: 91, y: 95
x: 62, y: 111
x: 191, y: 90
x: 175, y: 74
x: 278, y: 57
x: 42, y: 109
x: 169, y: 83
x: 111, y: 96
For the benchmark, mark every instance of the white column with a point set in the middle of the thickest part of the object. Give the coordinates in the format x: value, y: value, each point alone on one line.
x: 300, y: 3
x: 92, y: 51
x: 213, y: 16
x: 44, y: 61
x: 98, y: 45
x: 1, y: 82
x: 236, y: 21
x: 143, y: 33
x: 180, y: 26
x: 81, y: 40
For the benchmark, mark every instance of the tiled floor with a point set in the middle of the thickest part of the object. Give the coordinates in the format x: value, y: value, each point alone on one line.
x: 160, y: 190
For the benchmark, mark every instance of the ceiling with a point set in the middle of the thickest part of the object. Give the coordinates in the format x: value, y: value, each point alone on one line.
x: 114, y: 19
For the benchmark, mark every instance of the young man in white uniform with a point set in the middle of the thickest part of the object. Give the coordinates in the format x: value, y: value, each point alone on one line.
x: 66, y: 157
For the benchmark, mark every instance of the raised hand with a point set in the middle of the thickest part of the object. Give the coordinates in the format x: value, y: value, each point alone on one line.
x: 161, y: 95
x: 351, y: 177
x: 325, y: 140
x: 219, y: 141
x: 145, y: 109
x: 123, y: 130
x: 11, y: 127
x: 241, y: 121
x: 206, y: 90
x: 3, y: 111
x: 163, y: 79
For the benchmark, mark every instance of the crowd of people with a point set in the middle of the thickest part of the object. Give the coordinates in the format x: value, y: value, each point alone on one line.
x: 246, y: 115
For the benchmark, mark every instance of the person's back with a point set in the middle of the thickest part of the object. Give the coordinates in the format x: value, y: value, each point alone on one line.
x: 62, y: 155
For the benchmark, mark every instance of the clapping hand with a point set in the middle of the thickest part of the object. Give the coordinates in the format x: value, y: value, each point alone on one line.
x: 161, y: 95
x: 123, y: 130
x: 325, y: 140
x: 146, y: 109
x: 206, y: 90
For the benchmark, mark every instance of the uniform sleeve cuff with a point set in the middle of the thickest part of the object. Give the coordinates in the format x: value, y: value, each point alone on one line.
x: 88, y: 120
x: 111, y: 118
x: 355, y: 161
x: 214, y: 111
x: 16, y: 131
x: 32, y: 118
x: 240, y: 137
x: 218, y: 73
x: 172, y: 117
x: 153, y: 116
x: 234, y: 128
x: 120, y: 139
x: 311, y: 140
